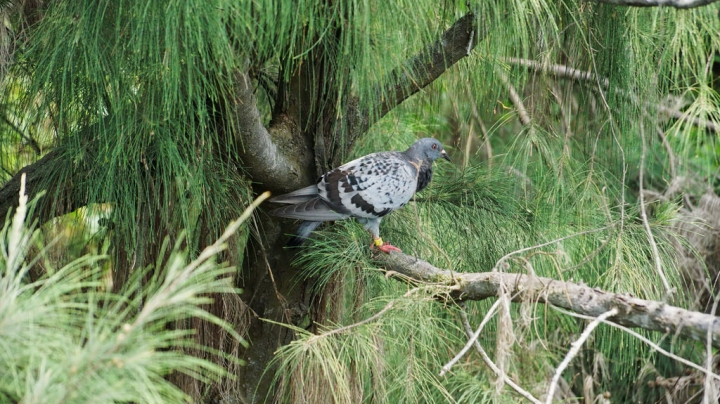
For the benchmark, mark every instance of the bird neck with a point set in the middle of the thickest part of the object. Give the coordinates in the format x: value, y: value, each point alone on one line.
x: 414, y: 153
x: 424, y: 175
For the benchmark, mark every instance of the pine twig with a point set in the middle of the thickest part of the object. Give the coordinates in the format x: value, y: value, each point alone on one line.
x: 368, y: 320
x: 33, y: 143
x: 574, y: 351
x: 557, y: 240
x: 523, y: 114
x: 562, y: 71
x: 653, y: 345
x: 709, y: 388
x: 646, y: 223
x: 491, y: 364
x: 473, y: 338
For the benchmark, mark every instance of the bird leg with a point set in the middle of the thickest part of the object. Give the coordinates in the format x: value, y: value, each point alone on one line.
x: 373, y: 226
x: 384, y: 247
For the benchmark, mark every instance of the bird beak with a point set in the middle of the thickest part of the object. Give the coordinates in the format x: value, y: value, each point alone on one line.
x: 444, y: 155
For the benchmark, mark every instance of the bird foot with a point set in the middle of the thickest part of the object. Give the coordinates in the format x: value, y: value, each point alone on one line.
x: 387, y: 247
x: 384, y: 247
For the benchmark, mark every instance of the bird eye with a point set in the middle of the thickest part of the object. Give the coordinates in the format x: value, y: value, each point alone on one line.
x: 434, y: 146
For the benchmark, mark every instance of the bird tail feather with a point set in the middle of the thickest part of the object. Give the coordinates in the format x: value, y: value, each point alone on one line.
x: 301, y: 195
x: 313, y: 210
x: 302, y: 233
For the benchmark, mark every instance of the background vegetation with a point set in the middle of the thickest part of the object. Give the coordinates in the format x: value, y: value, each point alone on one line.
x: 154, y: 124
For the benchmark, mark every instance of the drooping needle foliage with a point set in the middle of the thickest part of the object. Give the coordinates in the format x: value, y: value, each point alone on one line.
x: 573, y: 120
x: 66, y: 337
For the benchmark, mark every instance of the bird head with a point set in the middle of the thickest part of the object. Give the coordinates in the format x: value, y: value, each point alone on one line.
x: 427, y: 149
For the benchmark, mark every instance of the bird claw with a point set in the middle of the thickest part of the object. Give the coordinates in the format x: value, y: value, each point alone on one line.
x: 386, y: 248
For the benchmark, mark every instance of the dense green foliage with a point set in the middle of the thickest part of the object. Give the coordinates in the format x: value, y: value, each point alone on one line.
x: 138, y: 99
x: 466, y: 221
x: 67, y: 338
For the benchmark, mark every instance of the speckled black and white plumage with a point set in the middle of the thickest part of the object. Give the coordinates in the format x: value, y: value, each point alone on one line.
x: 367, y: 188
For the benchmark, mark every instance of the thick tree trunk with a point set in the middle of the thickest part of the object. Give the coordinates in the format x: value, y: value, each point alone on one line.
x: 302, y: 142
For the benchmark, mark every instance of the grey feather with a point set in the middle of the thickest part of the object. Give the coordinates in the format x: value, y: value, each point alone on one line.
x: 367, y: 188
x: 314, y: 210
x: 301, y: 195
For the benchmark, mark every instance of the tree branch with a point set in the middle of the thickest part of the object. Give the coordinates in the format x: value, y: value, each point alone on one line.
x: 574, y: 350
x: 561, y: 71
x: 659, y: 3
x: 423, y: 68
x: 523, y: 114
x: 632, y: 311
x: 33, y: 143
x: 65, y: 197
x: 499, y: 372
x: 274, y: 157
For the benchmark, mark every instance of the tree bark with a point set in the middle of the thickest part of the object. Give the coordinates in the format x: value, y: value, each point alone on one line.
x: 62, y: 196
x: 633, y: 312
x: 422, y: 69
x: 301, y: 142
x: 276, y: 157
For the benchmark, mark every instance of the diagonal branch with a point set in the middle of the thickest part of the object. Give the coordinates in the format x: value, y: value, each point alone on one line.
x: 33, y: 143
x: 582, y: 299
x: 574, y: 350
x: 64, y: 196
x: 561, y: 71
x: 516, y: 100
x: 499, y: 372
x: 423, y: 68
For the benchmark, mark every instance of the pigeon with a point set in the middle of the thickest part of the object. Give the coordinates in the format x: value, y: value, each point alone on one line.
x: 366, y: 189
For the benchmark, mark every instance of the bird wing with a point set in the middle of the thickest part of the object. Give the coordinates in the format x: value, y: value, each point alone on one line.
x: 371, y: 186
x: 312, y: 210
x: 301, y: 195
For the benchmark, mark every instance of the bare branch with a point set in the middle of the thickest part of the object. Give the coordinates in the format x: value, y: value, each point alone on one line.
x: 472, y: 339
x: 579, y: 298
x: 370, y: 319
x: 710, y: 394
x: 65, y: 197
x: 562, y: 71
x: 425, y: 67
x: 515, y: 98
x: 643, y: 214
x: 486, y: 359
x: 703, y: 123
x: 653, y: 345
x: 574, y: 350
x: 501, y: 261
x: 33, y: 143
x: 558, y: 70
x: 659, y: 3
